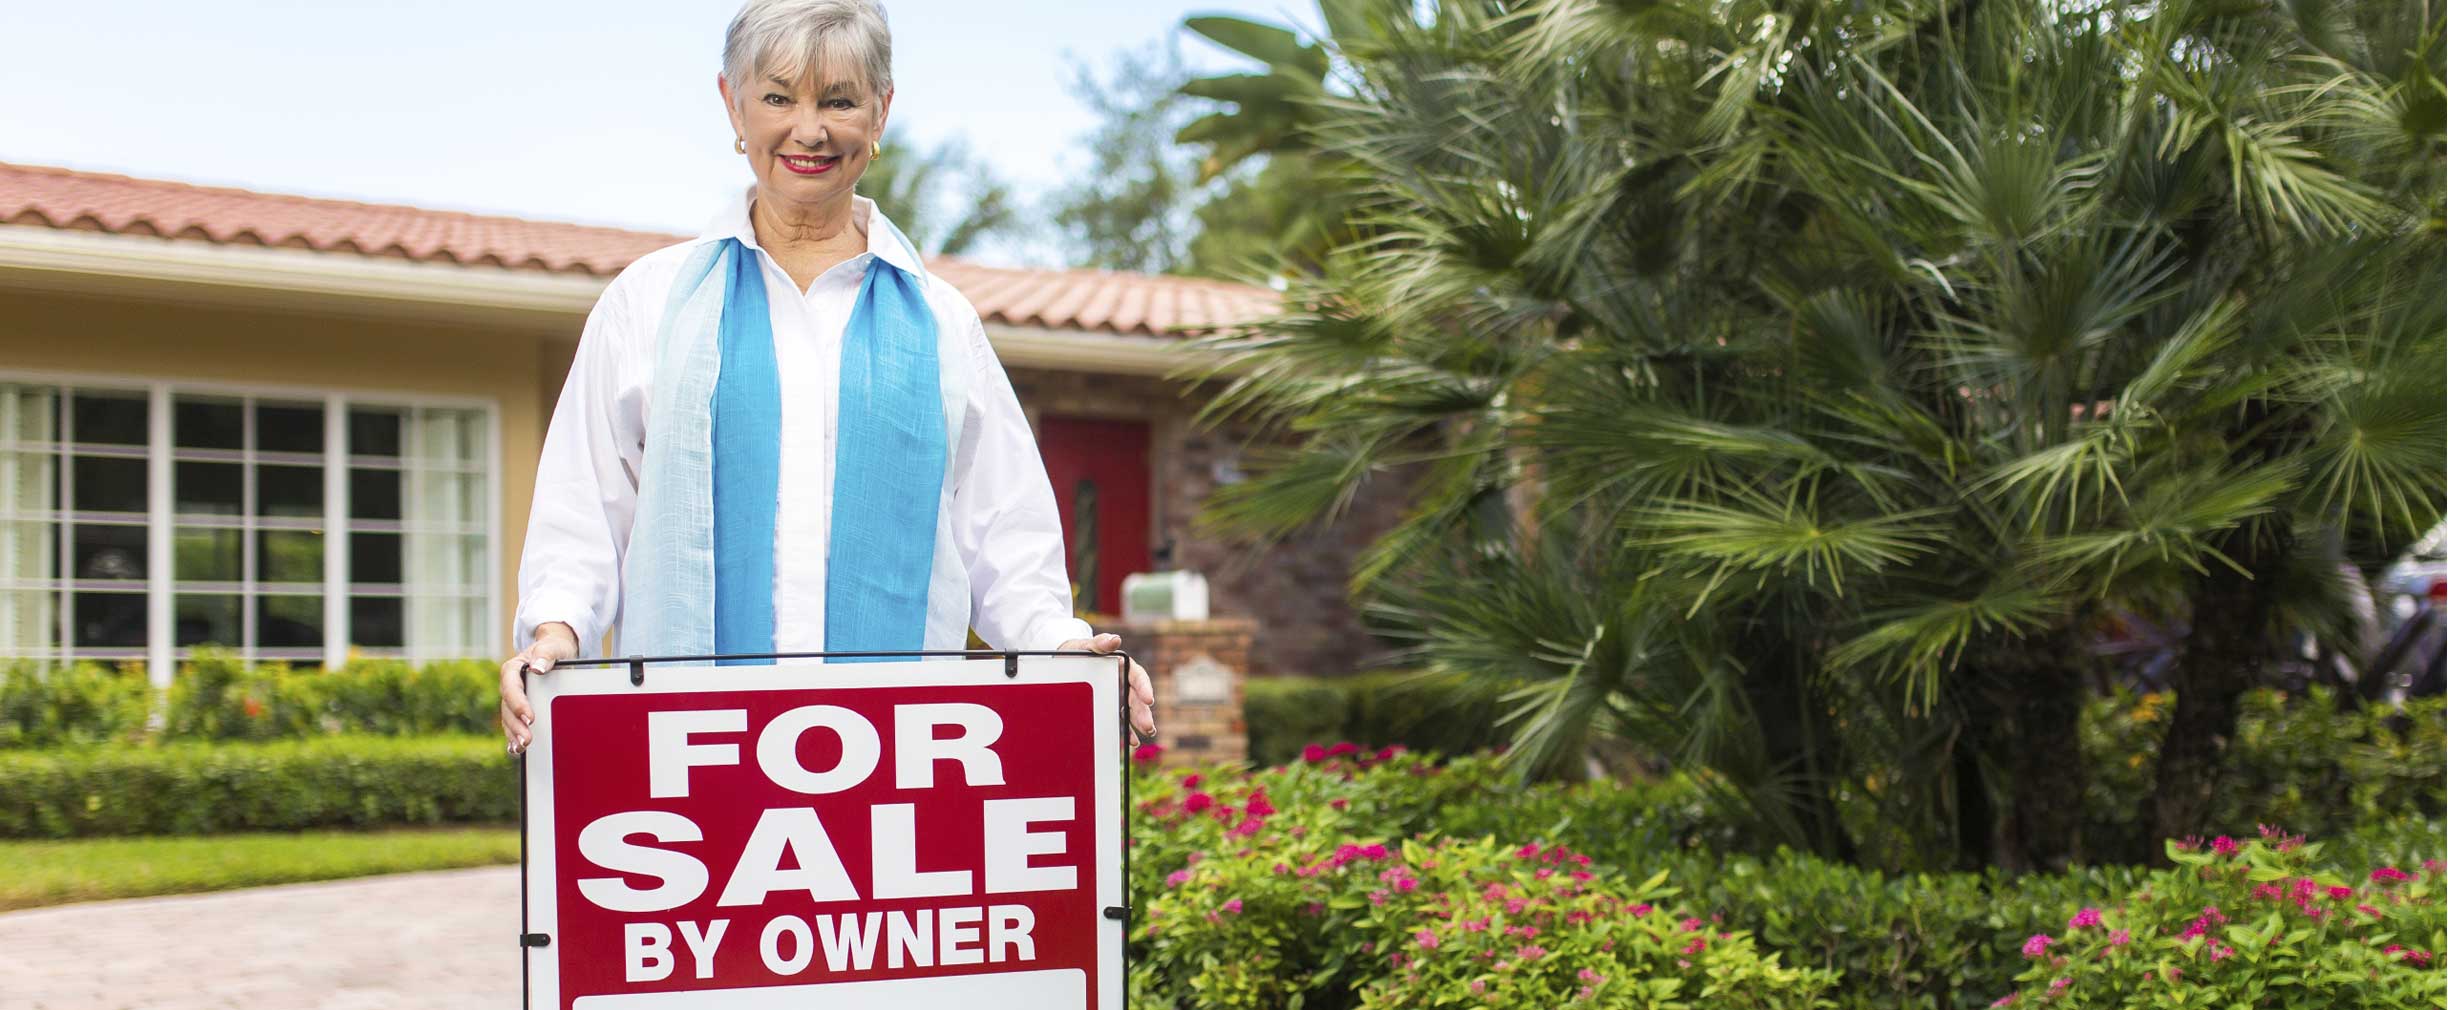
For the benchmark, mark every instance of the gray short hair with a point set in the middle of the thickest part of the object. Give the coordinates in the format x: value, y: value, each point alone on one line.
x: 791, y: 37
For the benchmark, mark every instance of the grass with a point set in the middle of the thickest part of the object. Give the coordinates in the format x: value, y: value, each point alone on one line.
x: 40, y: 873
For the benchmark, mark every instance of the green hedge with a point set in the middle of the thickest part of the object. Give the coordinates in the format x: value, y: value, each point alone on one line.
x: 215, y: 697
x: 199, y: 788
x: 1441, y: 714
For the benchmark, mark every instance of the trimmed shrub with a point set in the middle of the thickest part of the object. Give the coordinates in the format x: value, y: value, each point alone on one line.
x: 200, y: 788
x: 81, y: 704
x: 215, y: 697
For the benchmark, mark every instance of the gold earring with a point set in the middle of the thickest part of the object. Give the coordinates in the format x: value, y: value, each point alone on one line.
x: 877, y: 150
x: 739, y: 144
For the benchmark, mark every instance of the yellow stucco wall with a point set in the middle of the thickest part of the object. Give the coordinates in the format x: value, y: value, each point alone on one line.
x: 518, y: 371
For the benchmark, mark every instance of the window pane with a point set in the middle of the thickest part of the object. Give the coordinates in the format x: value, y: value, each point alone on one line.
x: 374, y: 557
x: 111, y: 418
x: 206, y: 620
x: 109, y: 620
x: 33, y: 410
x: 377, y: 622
x: 374, y: 433
x: 289, y: 556
x: 206, y: 555
x: 450, y: 436
x: 289, y: 428
x: 208, y: 488
x: 290, y: 491
x: 108, y: 552
x: 208, y: 424
x: 289, y: 622
x: 29, y: 622
x: 374, y: 494
x: 446, y: 498
x: 29, y: 550
x: 29, y: 482
x: 109, y: 485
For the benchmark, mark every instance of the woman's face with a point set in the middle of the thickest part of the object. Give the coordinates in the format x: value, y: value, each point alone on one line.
x: 808, y: 139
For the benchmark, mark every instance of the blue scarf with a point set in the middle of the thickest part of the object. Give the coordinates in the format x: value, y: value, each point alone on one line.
x: 700, y: 576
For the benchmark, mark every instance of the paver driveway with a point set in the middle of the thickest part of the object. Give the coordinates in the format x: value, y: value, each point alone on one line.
x: 416, y: 941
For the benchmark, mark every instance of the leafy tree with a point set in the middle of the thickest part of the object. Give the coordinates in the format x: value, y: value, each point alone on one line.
x: 1145, y: 204
x: 941, y: 197
x: 1797, y: 385
x: 1130, y: 209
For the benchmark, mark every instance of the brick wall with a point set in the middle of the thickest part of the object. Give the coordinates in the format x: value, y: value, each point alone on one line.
x: 1294, y: 593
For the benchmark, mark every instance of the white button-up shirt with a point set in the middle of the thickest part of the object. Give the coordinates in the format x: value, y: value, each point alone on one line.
x: 1003, y: 520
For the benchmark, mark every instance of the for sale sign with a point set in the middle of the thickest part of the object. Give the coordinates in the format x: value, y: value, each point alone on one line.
x: 847, y: 836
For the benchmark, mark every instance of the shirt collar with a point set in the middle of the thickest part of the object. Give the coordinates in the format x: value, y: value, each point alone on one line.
x: 885, y: 243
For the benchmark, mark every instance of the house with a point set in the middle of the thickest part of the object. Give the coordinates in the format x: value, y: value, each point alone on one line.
x: 305, y: 428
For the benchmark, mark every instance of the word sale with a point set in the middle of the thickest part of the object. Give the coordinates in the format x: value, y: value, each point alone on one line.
x: 790, y: 854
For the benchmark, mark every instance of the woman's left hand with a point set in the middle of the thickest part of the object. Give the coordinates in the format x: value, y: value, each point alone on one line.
x: 1142, y: 693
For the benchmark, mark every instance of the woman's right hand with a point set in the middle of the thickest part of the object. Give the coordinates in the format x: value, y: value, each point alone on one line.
x: 553, y: 643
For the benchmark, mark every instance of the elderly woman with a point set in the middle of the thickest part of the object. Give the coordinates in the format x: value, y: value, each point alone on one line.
x: 785, y: 436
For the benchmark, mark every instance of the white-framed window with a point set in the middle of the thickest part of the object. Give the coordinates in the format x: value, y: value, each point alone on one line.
x: 142, y: 520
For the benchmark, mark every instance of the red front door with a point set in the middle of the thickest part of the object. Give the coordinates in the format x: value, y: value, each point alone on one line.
x: 1100, y: 474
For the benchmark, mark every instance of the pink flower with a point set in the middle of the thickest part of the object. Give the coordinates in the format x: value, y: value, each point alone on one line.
x: 2086, y: 917
x: 2388, y: 874
x: 1338, y: 803
x: 1388, y: 752
x: 1147, y: 752
x: 2004, y: 1001
x: 1177, y: 878
x: 1343, y: 749
x: 2341, y: 893
x: 1478, y: 986
x: 1592, y: 977
x: 2220, y: 951
x: 1198, y: 803
x: 2036, y: 946
x: 1258, y: 805
x: 1690, y: 925
x: 2268, y: 892
x: 1313, y: 753
x: 1191, y: 781
x: 2059, y: 985
x: 1640, y: 909
x: 1531, y: 952
x: 2223, y: 845
x: 1426, y: 939
x: 2119, y: 938
x: 1698, y: 944
x: 1233, y: 906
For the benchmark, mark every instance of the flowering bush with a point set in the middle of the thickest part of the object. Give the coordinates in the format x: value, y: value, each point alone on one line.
x: 1301, y: 885
x: 2252, y: 924
x: 1220, y: 927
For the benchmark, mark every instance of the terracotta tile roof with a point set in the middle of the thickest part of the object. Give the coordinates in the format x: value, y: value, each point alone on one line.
x: 61, y: 198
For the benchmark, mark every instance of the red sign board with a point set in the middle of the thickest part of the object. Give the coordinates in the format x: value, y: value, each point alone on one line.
x: 848, y: 835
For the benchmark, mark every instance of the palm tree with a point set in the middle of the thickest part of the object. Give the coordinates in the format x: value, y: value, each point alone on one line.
x: 1793, y: 385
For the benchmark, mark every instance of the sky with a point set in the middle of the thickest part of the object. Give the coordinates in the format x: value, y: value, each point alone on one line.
x: 602, y: 112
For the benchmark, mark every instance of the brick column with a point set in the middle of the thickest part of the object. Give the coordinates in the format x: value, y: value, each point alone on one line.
x: 1197, y: 667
